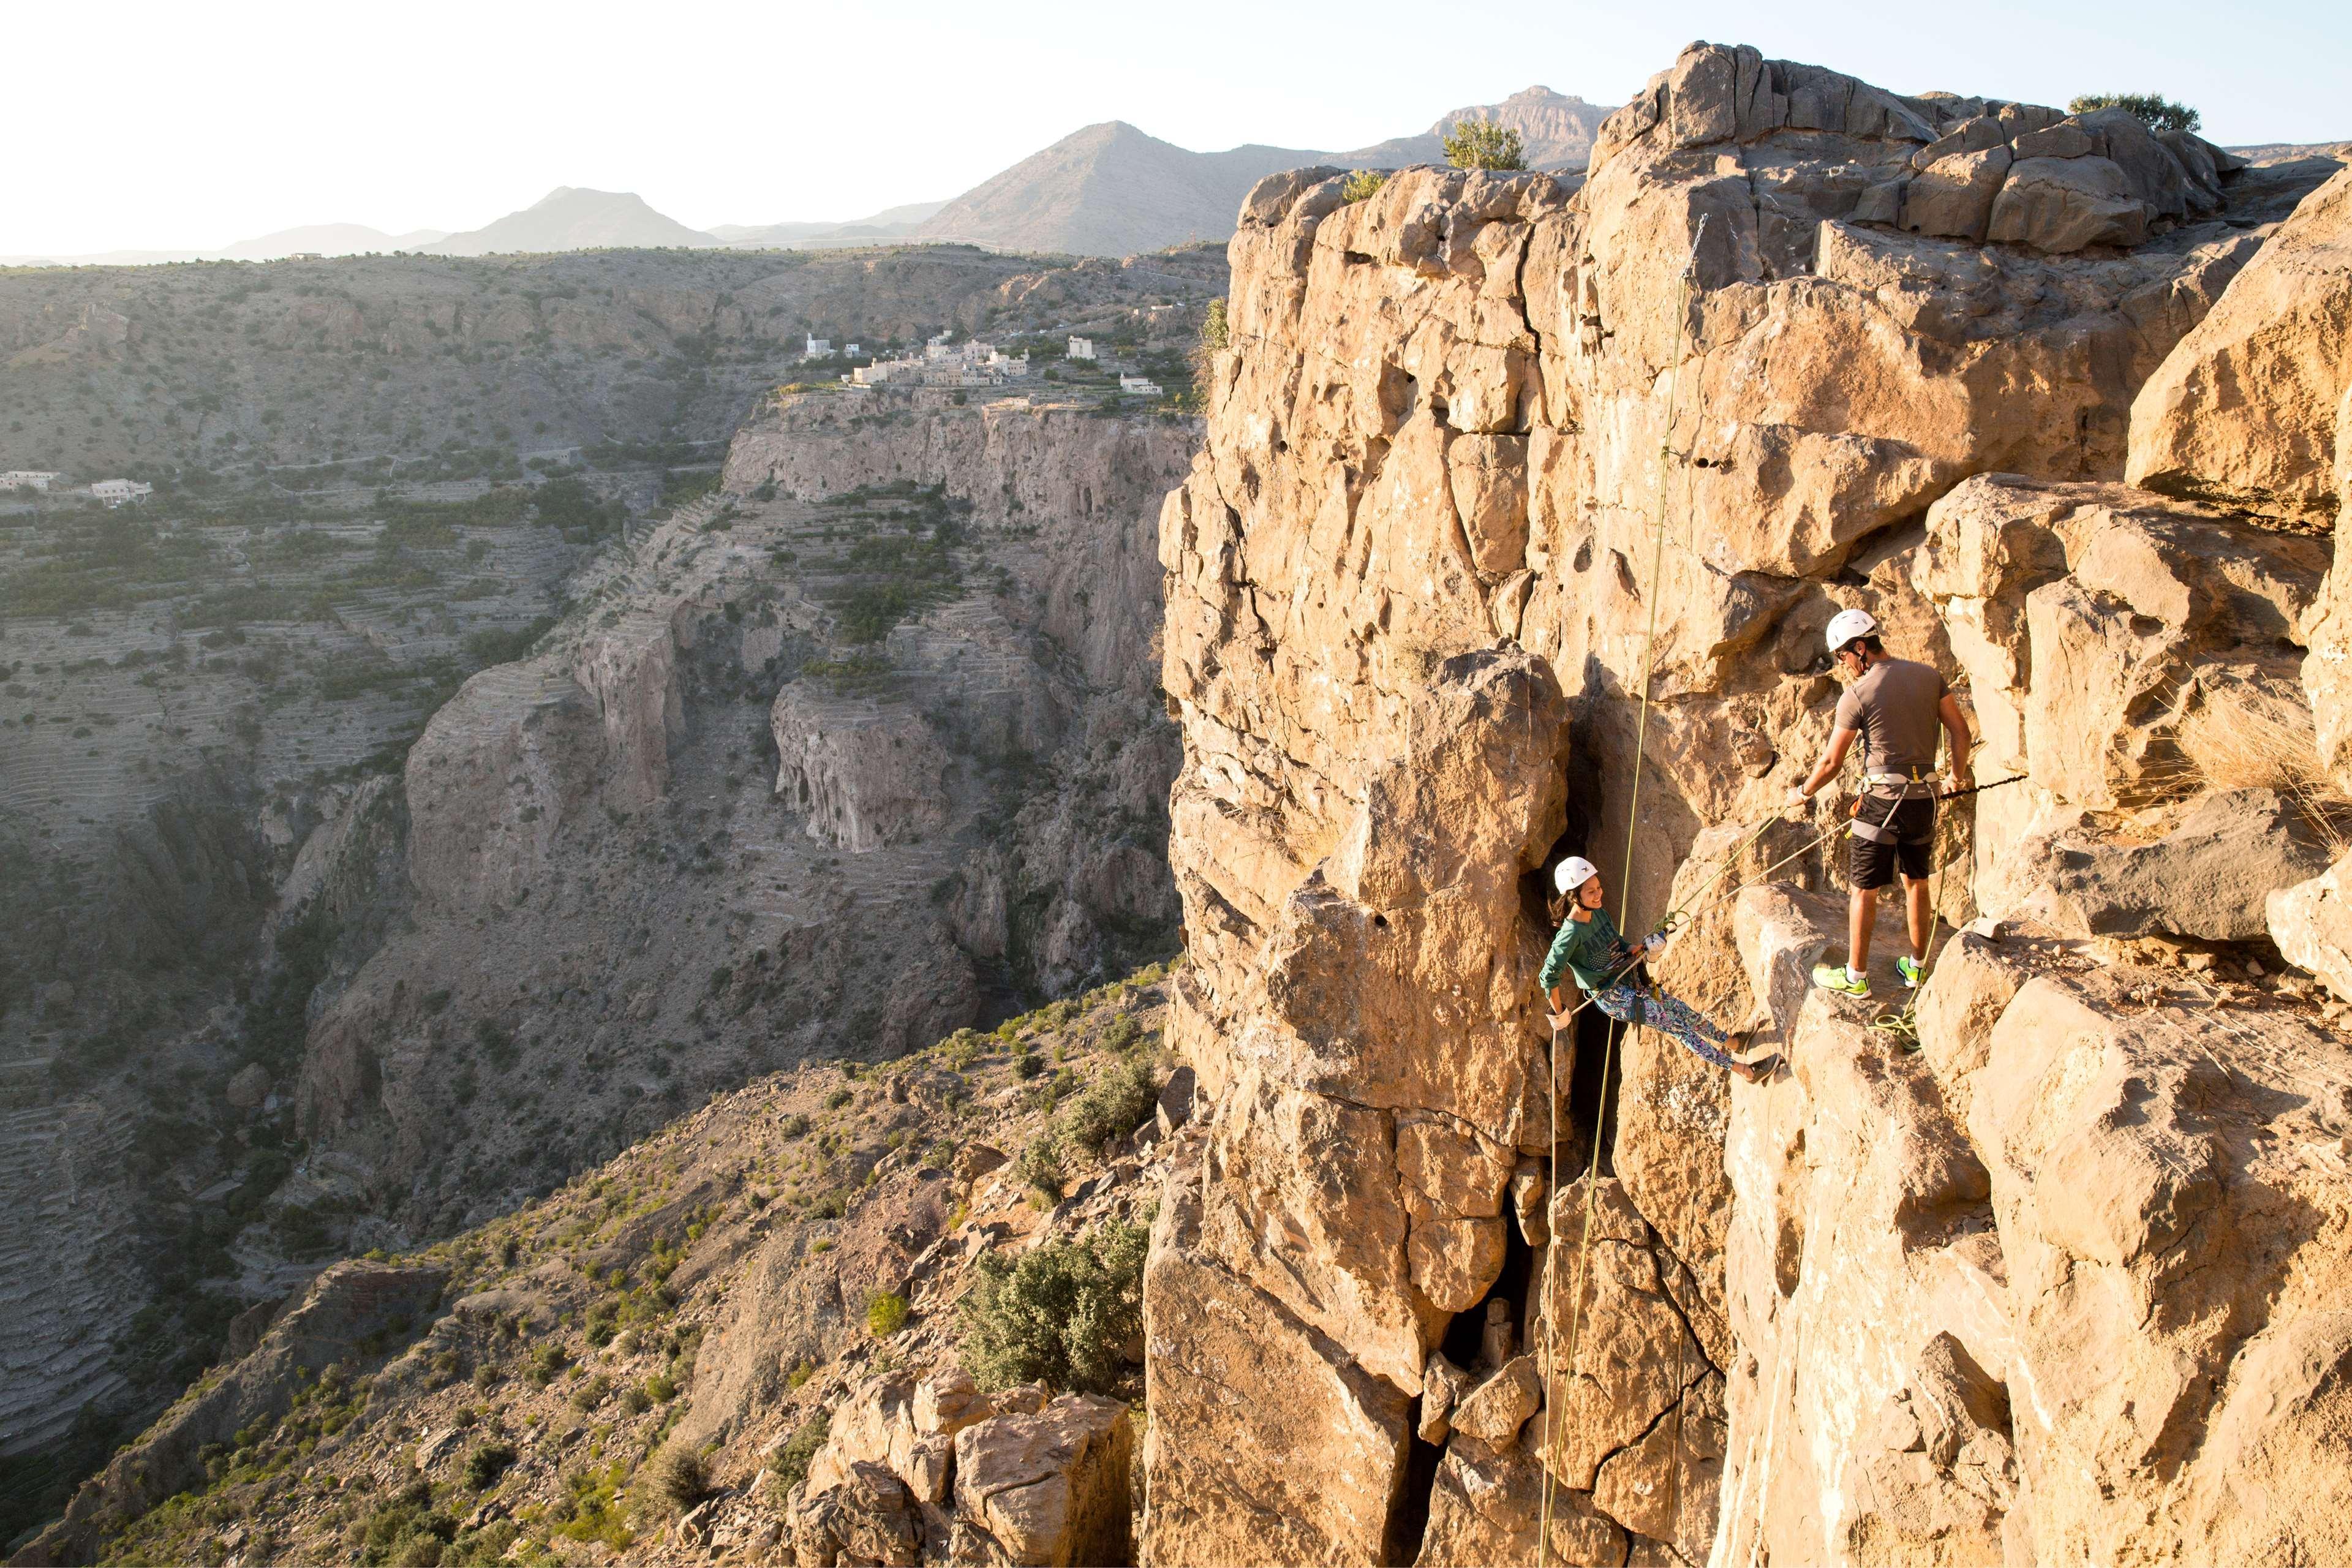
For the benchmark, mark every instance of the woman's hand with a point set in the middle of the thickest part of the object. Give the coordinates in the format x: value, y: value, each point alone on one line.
x: 1560, y: 1021
x: 1655, y: 944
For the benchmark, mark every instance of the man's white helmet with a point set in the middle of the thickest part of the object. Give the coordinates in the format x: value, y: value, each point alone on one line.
x: 1848, y: 624
x: 1573, y: 873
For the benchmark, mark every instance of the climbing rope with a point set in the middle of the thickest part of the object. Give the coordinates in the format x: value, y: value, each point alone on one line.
x: 1624, y: 892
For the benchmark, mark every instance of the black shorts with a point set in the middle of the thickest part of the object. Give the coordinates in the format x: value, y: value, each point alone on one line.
x: 1908, y: 849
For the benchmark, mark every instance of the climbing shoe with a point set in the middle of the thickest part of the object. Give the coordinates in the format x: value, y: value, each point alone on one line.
x: 1833, y: 977
x: 1912, y: 971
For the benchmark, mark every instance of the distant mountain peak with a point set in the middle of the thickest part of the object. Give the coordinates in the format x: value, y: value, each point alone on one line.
x: 576, y: 218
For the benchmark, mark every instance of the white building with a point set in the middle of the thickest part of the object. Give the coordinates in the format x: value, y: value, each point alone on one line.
x: 819, y: 348
x: 1139, y: 386
x: 1082, y: 348
x: 114, y: 492
x: 28, y: 480
x: 851, y: 351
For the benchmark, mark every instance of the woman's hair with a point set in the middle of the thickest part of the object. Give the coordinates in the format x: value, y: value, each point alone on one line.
x: 1558, y: 904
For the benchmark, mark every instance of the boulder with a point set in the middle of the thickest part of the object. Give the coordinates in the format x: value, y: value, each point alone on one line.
x: 2312, y: 924
x: 2066, y: 204
x: 2248, y: 409
x: 866, y: 1517
x: 2212, y: 876
x: 1493, y: 1411
x: 250, y: 1087
x: 1050, y: 1488
x: 1954, y: 195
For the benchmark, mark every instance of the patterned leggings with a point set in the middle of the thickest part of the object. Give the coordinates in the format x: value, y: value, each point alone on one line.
x: 1668, y: 1016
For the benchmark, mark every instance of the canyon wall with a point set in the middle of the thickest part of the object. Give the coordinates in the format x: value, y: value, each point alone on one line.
x: 1490, y: 457
x: 718, y: 823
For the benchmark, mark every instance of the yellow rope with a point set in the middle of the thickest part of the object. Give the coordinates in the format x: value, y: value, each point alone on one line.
x: 1625, y: 892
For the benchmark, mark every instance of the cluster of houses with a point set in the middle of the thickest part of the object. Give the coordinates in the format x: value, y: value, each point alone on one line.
x: 970, y: 363
x: 112, y: 492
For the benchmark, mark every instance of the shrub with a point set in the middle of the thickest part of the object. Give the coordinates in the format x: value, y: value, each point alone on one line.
x: 680, y: 1478
x: 2159, y: 113
x: 792, y: 1461
x: 486, y: 1463
x: 661, y: 1388
x: 592, y: 1394
x: 1483, y: 144
x: 1061, y: 1314
x: 1112, y: 1105
x: 886, y: 1313
x: 837, y: 1098
x: 1363, y: 183
x: 1040, y: 1165
x: 1026, y: 1064
x: 635, y: 1402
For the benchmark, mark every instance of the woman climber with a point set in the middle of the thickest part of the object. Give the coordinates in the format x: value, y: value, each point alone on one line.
x: 1589, y: 948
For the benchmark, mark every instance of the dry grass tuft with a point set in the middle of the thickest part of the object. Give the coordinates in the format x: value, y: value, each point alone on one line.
x: 2265, y: 745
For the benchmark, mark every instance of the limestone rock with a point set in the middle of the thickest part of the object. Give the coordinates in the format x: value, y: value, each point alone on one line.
x: 860, y: 776
x: 248, y: 1086
x: 1493, y: 1411
x: 865, y: 1517
x: 1322, y: 1462
x: 2312, y: 924
x: 2066, y: 204
x: 2248, y: 409
x: 1050, y: 1488
x: 2210, y: 877
x: 1487, y: 454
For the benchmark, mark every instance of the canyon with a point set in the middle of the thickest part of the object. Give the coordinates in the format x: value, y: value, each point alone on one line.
x: 1522, y: 506
x: 386, y: 851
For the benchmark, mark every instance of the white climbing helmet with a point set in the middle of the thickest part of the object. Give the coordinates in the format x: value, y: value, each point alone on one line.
x: 1573, y: 873
x: 1848, y: 624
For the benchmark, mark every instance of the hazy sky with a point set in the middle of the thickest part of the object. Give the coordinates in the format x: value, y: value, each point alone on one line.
x: 178, y: 126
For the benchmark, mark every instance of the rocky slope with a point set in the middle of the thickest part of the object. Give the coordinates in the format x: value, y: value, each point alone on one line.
x: 274, y: 979
x: 520, y: 1390
x: 1493, y: 456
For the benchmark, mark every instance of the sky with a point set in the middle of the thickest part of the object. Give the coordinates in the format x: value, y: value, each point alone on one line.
x: 190, y: 127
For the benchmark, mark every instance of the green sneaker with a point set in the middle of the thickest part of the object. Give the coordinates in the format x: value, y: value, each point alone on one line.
x: 1832, y: 977
x: 1912, y: 971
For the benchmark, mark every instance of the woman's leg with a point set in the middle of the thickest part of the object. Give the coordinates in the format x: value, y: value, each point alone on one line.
x: 1670, y: 1016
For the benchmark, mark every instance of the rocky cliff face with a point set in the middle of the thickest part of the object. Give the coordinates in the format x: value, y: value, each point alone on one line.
x: 798, y: 776
x: 1491, y: 456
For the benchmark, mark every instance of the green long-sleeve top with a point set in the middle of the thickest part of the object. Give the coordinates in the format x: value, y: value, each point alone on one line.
x: 1591, y: 950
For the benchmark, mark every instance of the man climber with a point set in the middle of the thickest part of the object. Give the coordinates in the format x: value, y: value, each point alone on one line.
x: 1896, y: 705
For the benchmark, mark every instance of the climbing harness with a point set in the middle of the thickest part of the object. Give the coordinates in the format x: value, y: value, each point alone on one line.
x: 1625, y: 883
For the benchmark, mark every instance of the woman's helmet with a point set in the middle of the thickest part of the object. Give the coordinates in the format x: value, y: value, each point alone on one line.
x: 1573, y: 873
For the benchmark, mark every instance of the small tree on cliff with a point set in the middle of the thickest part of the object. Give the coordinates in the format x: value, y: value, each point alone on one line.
x: 1483, y: 144
x: 2161, y: 113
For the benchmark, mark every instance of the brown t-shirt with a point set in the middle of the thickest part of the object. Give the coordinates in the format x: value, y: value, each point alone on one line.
x: 1895, y: 706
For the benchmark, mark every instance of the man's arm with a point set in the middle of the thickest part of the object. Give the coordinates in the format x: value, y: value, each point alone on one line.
x: 1841, y: 743
x: 1956, y: 734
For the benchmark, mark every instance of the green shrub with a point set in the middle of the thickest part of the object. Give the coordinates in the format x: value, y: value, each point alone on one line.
x: 2159, y: 113
x: 1363, y: 183
x: 886, y: 1313
x: 679, y: 1477
x: 1483, y: 144
x: 1115, y: 1104
x: 1026, y: 1064
x: 486, y: 1463
x: 661, y: 1388
x: 792, y: 1461
x: 593, y: 1393
x: 1040, y: 1165
x: 837, y: 1098
x: 1059, y: 1314
x: 635, y: 1402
